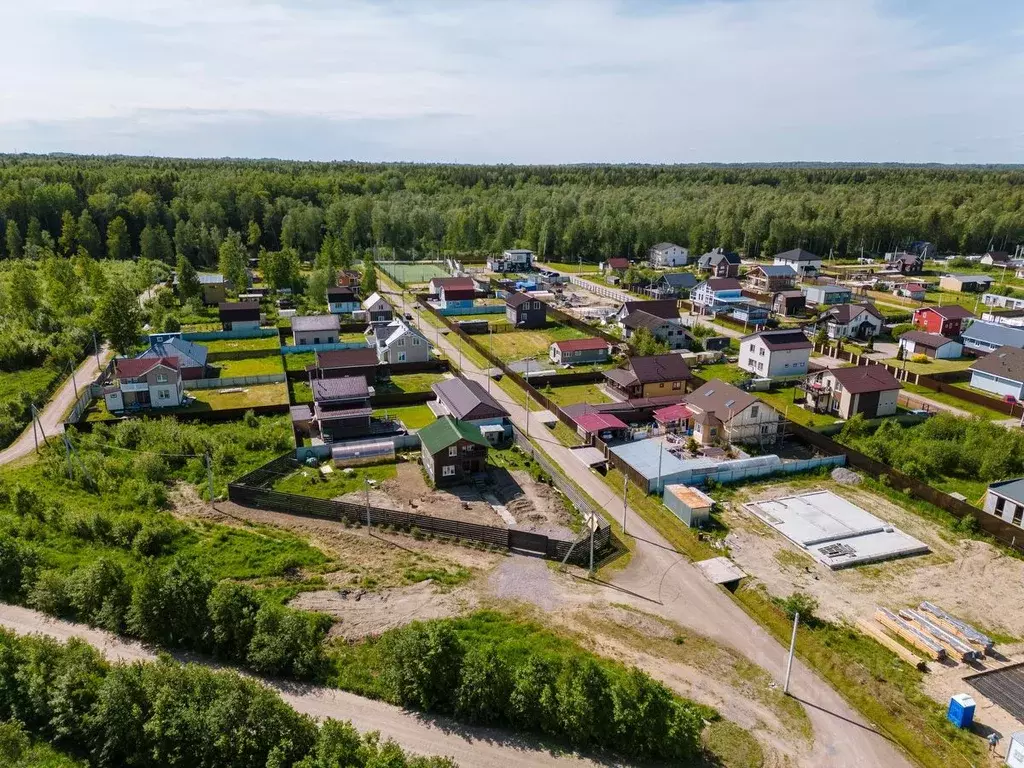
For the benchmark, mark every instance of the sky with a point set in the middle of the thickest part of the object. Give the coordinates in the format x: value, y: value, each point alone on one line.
x: 488, y: 81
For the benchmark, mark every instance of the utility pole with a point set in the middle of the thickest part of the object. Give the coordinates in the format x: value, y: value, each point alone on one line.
x: 35, y: 437
x: 67, y: 456
x: 366, y: 487
x: 625, y: 489
x: 73, y: 382
x: 527, y: 399
x: 209, y: 475
x: 792, y: 648
x: 490, y: 351
x: 96, y: 346
x: 593, y: 529
x: 661, y: 452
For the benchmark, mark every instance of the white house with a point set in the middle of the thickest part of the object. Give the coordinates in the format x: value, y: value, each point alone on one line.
x: 853, y: 321
x: 804, y: 262
x: 717, y: 294
x: 931, y: 344
x: 377, y: 309
x: 1001, y: 373
x: 774, y: 354
x: 1005, y: 500
x: 398, y: 342
x: 309, y: 330
x: 867, y: 389
x: 668, y: 255
x: 512, y: 260
x: 143, y: 383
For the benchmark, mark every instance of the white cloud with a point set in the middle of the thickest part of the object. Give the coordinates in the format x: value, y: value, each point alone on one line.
x: 507, y: 81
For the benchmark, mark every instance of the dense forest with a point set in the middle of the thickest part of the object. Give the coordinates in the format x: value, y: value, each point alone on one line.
x: 162, y: 208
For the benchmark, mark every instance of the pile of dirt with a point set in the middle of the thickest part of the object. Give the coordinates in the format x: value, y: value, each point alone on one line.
x: 845, y: 476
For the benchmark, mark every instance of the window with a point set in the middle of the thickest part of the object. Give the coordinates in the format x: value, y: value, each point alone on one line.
x: 453, y: 451
x: 448, y: 470
x: 316, y: 339
x: 536, y: 305
x: 761, y: 351
x: 1018, y: 512
x: 163, y: 394
x: 161, y: 378
x: 415, y: 341
x: 677, y: 385
x: 401, y: 357
x: 1000, y: 505
x: 766, y: 428
x: 752, y: 346
x: 754, y: 410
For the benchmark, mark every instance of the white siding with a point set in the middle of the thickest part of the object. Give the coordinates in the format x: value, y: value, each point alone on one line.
x: 997, y: 385
x: 756, y: 358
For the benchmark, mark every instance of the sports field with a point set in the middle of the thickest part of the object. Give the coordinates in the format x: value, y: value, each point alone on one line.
x: 412, y: 272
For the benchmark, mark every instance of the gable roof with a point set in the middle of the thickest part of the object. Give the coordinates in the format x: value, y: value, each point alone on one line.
x: 797, y: 254
x: 949, y: 312
x: 516, y: 299
x: 909, y: 258
x: 972, y: 278
x: 618, y: 262
x: 302, y: 323
x: 652, y: 369
x: 865, y: 378
x: 446, y: 431
x: 642, y: 319
x: 210, y: 278
x: 1007, y: 362
x: 678, y: 279
x: 187, y: 354
x: 666, y: 308
x: 775, y: 270
x: 341, y: 388
x: 595, y: 422
x: 346, y: 358
x: 924, y: 339
x: 844, y: 313
x: 454, y: 283
x: 1011, y: 489
x: 723, y: 284
x: 995, y: 333
x: 399, y: 329
x: 780, y: 340
x: 720, y: 398
x: 828, y: 288
x: 239, y: 310
x: 373, y: 298
x: 343, y: 293
x: 715, y: 257
x: 998, y: 257
x: 580, y: 345
x: 467, y: 399
x: 675, y: 412
x: 664, y: 246
x: 134, y: 367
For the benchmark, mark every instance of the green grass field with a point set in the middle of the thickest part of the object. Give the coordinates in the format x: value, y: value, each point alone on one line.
x: 299, y: 361
x: 311, y: 482
x: 413, y: 416
x: 35, y: 384
x: 412, y: 273
x: 578, y: 393
x: 516, y: 345
x: 563, y: 266
x: 410, y: 382
x: 250, y: 366
x: 974, y: 409
x: 782, y: 401
x: 219, y: 347
x: 726, y: 372
x: 933, y: 366
x: 248, y: 397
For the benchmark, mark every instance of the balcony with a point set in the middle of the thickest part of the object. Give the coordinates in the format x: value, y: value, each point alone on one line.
x: 134, y: 386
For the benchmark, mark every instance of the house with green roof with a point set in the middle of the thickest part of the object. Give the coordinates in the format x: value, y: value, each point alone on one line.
x: 452, y: 450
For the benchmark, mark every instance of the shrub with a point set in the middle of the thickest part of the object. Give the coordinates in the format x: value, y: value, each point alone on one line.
x: 232, y: 608
x: 288, y: 642
x: 802, y: 603
x: 100, y: 594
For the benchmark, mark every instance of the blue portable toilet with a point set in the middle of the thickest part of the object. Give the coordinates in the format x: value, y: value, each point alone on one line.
x: 961, y: 710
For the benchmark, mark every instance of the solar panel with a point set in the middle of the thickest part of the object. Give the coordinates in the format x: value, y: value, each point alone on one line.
x: 730, y: 403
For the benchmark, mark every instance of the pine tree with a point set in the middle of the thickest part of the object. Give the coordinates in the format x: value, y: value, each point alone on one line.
x: 89, y: 235
x: 13, y: 240
x: 118, y: 240
x: 68, y: 233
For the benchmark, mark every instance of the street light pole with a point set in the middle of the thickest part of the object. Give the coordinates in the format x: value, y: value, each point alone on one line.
x: 625, y: 489
x: 792, y: 648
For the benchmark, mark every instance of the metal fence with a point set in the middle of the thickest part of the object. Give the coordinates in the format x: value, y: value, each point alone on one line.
x: 240, y: 333
x: 482, y: 309
x: 235, y: 381
x: 600, y: 290
x: 294, y: 349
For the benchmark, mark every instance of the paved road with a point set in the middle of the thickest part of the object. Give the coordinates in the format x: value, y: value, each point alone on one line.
x: 420, y: 734
x: 670, y: 586
x: 53, y: 413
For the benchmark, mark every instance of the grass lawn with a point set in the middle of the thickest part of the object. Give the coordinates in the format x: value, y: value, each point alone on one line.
x: 951, y: 400
x: 311, y: 482
x: 231, y: 346
x: 250, y: 366
x: 969, y: 300
x: 301, y: 392
x: 782, y: 401
x: 299, y: 361
x: 727, y: 372
x: 200, y: 327
x: 410, y: 382
x: 566, y: 435
x: 248, y: 397
x: 516, y: 345
x: 563, y: 266
x: 933, y: 366
x: 413, y: 273
x: 36, y: 384
x: 578, y: 393
x: 413, y: 416
x: 348, y: 338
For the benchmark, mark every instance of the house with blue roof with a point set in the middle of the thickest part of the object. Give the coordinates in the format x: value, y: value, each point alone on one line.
x: 191, y: 358
x: 988, y: 337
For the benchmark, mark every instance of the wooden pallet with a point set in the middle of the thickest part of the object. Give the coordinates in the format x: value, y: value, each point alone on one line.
x: 875, y: 632
x: 930, y: 648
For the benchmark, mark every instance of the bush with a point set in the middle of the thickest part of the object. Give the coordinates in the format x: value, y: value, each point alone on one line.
x: 232, y: 608
x: 802, y: 603
x: 288, y: 642
x: 100, y: 595
x: 169, y: 606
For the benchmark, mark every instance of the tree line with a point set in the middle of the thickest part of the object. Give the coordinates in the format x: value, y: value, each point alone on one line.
x: 163, y: 209
x: 169, y: 715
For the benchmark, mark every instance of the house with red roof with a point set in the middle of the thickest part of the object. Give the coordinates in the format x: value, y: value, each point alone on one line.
x: 675, y: 418
x: 144, y: 382
x: 617, y: 264
x: 606, y: 426
x: 579, y: 351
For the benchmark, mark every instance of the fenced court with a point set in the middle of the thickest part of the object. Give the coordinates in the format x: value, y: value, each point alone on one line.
x: 413, y: 272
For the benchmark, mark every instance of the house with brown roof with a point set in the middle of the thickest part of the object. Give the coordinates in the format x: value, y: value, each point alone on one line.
x: 650, y: 376
x: 947, y: 321
x: 723, y: 413
x: 772, y: 354
x: 845, y: 392
x: 852, y: 321
x: 348, y: 362
x: 617, y: 265
x: 467, y: 401
x: 239, y: 315
x: 454, y: 292
x: 1001, y: 373
x: 665, y: 308
x: 931, y: 345
x: 144, y: 382
x: 671, y: 333
x: 720, y: 263
x: 342, y: 299
x: 341, y: 408
x: 579, y: 351
x: 525, y: 311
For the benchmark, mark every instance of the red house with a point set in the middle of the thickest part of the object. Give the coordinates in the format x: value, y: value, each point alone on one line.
x: 947, y: 321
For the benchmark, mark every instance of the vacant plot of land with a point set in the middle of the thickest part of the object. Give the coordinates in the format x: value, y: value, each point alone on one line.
x: 219, y: 347
x: 338, y: 482
x: 411, y: 382
x: 517, y: 345
x: 299, y: 361
x: 782, y: 401
x: 413, y: 416
x: 578, y: 393
x: 300, y: 392
x: 250, y: 366
x: 239, y: 397
x: 932, y: 366
x: 726, y: 372
x: 411, y: 273
x: 975, y: 409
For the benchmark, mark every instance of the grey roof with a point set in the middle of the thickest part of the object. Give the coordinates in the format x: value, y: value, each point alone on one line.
x: 775, y: 270
x: 1011, y: 489
x: 1007, y: 362
x: 642, y: 319
x: 844, y: 313
x: 343, y: 388
x: 346, y: 358
x: 972, y: 278
x: 679, y: 279
x: 798, y: 254
x: 516, y: 299
x: 654, y: 368
x: 664, y: 246
x: 187, y: 354
x: 720, y: 398
x: 210, y: 278
x: 314, y: 323
x: 995, y: 333
x: 667, y: 308
x: 828, y: 288
x: 467, y: 399
x: 712, y: 258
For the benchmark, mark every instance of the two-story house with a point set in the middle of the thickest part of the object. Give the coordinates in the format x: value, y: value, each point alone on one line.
x: 803, y: 262
x: 468, y: 402
x: 308, y: 330
x: 143, y: 383
x: 454, y: 292
x: 772, y: 354
x: 336, y: 363
x: 342, y: 299
x: 672, y: 285
x: 341, y: 407
x: 617, y: 265
x: 771, y: 278
x: 399, y: 342
x: 720, y: 263
x: 524, y: 311
x: 852, y: 321
x: 948, y: 321
x: 907, y: 263
x: 723, y: 413
x: 669, y: 332
x: 650, y: 376
x: 512, y: 260
x: 377, y: 309
x: 668, y: 255
x: 579, y: 351
x: 827, y: 295
x: 452, y: 451
x: 191, y: 358
x: 717, y: 294
x: 666, y: 308
x: 866, y: 389
x: 239, y: 315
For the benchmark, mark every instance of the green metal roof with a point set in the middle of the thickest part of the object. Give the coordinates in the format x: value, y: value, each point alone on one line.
x: 446, y: 431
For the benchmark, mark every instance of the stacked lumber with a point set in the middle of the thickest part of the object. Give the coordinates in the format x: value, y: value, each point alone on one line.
x: 958, y: 627
x: 955, y: 647
x: 872, y: 630
x: 910, y: 633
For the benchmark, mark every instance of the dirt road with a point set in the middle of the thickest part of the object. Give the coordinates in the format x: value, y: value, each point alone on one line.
x: 660, y: 580
x: 421, y: 734
x: 52, y: 414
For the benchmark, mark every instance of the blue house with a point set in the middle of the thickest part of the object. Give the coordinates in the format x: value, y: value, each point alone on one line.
x: 719, y: 294
x: 988, y: 337
x: 343, y: 300
x: 750, y: 312
x: 454, y: 292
